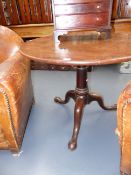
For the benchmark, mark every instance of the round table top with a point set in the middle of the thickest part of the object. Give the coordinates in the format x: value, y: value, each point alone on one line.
x: 117, y: 49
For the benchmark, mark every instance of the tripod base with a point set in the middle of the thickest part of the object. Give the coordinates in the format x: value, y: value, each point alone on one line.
x: 81, y: 97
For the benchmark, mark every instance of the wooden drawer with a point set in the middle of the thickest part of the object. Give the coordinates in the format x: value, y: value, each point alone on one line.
x: 70, y: 15
x: 81, y: 21
x: 75, y: 1
x: 81, y: 8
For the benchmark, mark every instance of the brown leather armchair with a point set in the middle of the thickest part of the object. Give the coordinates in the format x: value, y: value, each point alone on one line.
x: 16, y: 94
x: 124, y: 129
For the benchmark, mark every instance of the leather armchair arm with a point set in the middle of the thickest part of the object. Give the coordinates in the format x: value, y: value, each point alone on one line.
x: 16, y: 95
x: 124, y: 128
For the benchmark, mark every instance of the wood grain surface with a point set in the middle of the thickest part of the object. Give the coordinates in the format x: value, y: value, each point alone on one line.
x: 79, y: 52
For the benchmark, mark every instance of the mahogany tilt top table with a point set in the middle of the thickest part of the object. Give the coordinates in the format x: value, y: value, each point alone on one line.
x: 83, y: 54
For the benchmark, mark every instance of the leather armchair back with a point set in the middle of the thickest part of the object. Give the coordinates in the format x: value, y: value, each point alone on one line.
x: 9, y: 43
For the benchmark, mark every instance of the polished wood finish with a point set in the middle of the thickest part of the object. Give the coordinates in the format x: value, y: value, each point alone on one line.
x: 16, y: 12
x: 115, y: 9
x: 84, y: 8
x: 12, y: 12
x: 33, y: 30
x: 121, y: 26
x: 40, y: 30
x: 82, y: 54
x: 124, y: 9
x: 73, y: 2
x: 35, y: 65
x: 82, y: 97
x: 78, y: 21
x: 81, y: 15
x: 121, y: 9
x: 2, y: 16
x: 79, y: 52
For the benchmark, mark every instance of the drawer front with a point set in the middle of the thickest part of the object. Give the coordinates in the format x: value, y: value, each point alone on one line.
x: 81, y: 21
x: 76, y: 1
x: 82, y: 8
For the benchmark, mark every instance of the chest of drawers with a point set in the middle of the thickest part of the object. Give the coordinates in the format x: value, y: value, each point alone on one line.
x: 81, y: 15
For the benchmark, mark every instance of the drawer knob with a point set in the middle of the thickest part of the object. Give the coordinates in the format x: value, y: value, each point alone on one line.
x: 97, y: 18
x: 98, y: 6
